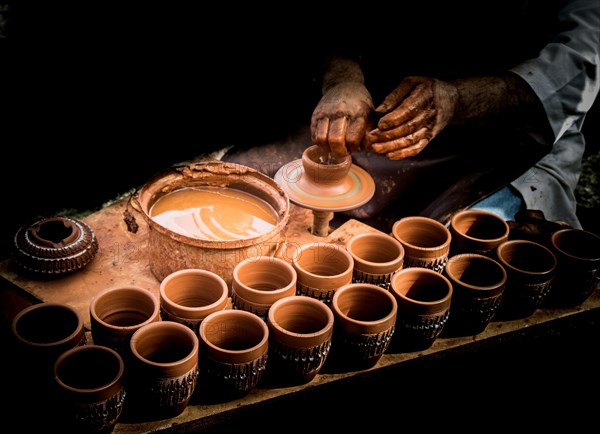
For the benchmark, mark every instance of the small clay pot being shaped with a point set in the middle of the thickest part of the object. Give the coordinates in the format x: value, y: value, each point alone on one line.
x: 300, y: 331
x: 324, y: 170
x: 365, y: 318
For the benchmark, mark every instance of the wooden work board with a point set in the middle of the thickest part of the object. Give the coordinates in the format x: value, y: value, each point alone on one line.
x: 121, y: 260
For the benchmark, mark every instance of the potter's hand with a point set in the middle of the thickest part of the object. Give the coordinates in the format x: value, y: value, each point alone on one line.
x: 413, y: 114
x: 339, y: 121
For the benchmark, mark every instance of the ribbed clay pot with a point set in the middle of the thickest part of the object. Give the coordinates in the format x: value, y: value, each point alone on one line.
x: 233, y: 356
x: 300, y: 332
x: 117, y: 313
x: 188, y: 296
x: 365, y: 319
x: 164, y: 369
x: 322, y: 268
x: 530, y: 269
x: 377, y: 256
x: 478, y: 284
x: 90, y: 389
x: 426, y: 242
x: 424, y: 298
x: 259, y: 282
x: 578, y: 271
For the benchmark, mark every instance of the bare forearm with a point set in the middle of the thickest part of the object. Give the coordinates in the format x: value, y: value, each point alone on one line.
x: 506, y: 97
x: 341, y: 70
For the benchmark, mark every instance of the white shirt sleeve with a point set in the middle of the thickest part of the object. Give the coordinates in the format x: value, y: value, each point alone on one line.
x: 565, y: 77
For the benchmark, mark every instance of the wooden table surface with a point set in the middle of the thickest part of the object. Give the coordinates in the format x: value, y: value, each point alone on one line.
x: 121, y: 260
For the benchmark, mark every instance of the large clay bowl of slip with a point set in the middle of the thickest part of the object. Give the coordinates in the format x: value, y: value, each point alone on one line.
x: 221, y: 234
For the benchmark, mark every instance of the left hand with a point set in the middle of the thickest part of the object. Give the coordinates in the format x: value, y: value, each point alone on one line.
x: 413, y: 114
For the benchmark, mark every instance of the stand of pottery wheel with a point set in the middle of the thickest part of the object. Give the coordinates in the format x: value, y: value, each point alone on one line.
x: 325, y: 184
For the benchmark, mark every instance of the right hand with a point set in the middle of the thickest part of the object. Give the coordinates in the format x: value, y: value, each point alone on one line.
x: 340, y: 119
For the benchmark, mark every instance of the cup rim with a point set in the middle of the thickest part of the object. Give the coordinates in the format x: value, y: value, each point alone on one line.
x: 300, y: 299
x: 139, y: 289
x: 372, y: 267
x: 446, y: 299
x: 534, y: 244
x: 479, y: 257
x: 78, y: 329
x: 249, y: 293
x: 169, y: 325
x: 444, y: 246
x: 490, y: 215
x: 376, y: 326
x: 90, y: 348
x: 236, y: 356
x: 192, y: 312
x: 554, y: 238
x: 326, y: 282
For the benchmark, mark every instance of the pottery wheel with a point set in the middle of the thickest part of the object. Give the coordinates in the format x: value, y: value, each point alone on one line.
x: 355, y: 190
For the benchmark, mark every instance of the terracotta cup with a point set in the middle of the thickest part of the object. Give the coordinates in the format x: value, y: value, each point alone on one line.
x: 478, y: 283
x: 300, y: 331
x: 426, y: 242
x: 365, y: 318
x: 117, y: 313
x: 90, y: 389
x: 323, y: 169
x: 188, y: 296
x: 164, y: 369
x: 424, y: 298
x: 40, y: 334
x: 530, y: 269
x: 477, y: 231
x: 578, y: 272
x: 233, y: 356
x: 261, y: 281
x: 377, y: 256
x: 322, y: 268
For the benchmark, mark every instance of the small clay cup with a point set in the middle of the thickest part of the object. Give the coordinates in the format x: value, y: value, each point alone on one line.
x: 322, y: 168
x: 164, y: 369
x: 578, y: 272
x: 261, y: 281
x: 530, y: 269
x: 377, y: 256
x: 188, y: 296
x: 322, y: 268
x: 424, y: 297
x: 365, y: 319
x: 40, y: 334
x: 477, y: 231
x: 426, y: 242
x: 233, y: 356
x: 90, y: 389
x: 300, y: 332
x: 117, y: 313
x: 478, y: 283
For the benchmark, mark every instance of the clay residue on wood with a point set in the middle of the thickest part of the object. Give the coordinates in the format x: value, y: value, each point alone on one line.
x: 130, y: 221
